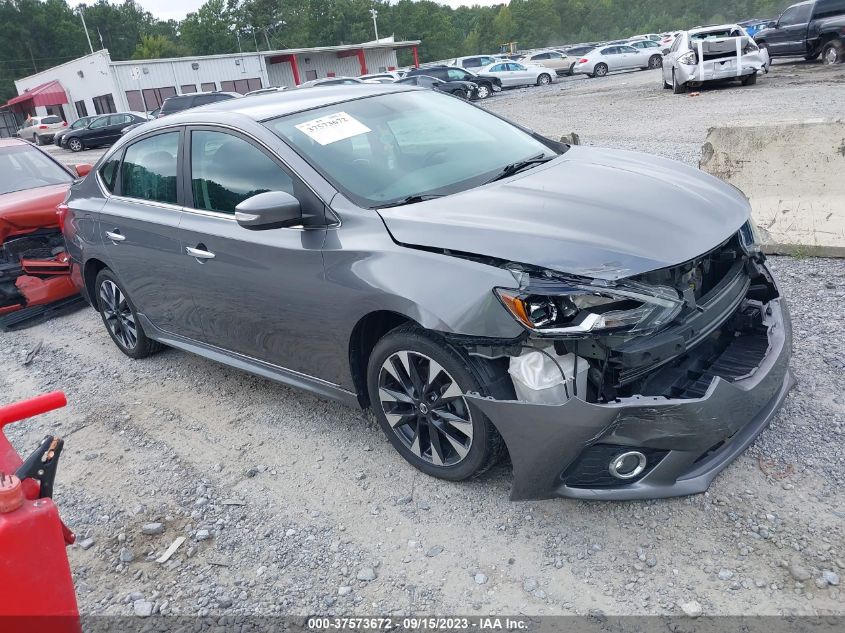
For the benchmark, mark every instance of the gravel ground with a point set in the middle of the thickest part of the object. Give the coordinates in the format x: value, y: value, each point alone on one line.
x: 290, y: 504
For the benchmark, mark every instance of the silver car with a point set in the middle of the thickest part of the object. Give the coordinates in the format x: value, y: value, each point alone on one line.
x: 713, y: 53
x: 513, y: 74
x: 607, y: 59
x: 41, y: 129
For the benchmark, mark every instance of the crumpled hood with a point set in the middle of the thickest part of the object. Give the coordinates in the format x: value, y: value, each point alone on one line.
x: 30, y: 209
x: 605, y: 214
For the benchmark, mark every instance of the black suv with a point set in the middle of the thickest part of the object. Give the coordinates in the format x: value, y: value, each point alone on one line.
x: 486, y: 84
x: 184, y: 102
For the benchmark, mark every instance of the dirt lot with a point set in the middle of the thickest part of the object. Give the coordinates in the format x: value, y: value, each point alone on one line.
x: 291, y: 504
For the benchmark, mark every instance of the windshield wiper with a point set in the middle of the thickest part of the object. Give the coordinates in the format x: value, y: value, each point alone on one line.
x: 417, y: 197
x: 513, y: 168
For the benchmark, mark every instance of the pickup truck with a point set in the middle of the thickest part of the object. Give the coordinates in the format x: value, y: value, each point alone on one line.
x: 809, y: 29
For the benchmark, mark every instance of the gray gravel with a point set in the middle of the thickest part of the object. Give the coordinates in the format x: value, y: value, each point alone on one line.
x: 290, y: 504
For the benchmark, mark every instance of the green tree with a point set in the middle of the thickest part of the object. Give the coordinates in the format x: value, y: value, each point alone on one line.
x: 155, y: 47
x: 209, y: 31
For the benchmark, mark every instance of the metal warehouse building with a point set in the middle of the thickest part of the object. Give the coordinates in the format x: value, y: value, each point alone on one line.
x: 94, y: 84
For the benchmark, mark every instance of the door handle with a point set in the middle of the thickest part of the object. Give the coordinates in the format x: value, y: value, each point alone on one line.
x: 115, y: 236
x: 199, y: 253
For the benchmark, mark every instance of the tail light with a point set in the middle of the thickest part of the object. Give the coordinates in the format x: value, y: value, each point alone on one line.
x: 583, y: 60
x: 64, y: 123
x: 42, y: 127
x: 62, y: 211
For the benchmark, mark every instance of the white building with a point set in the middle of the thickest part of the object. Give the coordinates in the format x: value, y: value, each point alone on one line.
x: 94, y: 84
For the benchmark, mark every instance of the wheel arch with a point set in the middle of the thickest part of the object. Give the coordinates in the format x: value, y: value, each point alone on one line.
x: 89, y: 276
x: 365, y: 334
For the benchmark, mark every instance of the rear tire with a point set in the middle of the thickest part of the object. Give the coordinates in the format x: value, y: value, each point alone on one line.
x: 484, y: 91
x: 833, y: 53
x: 600, y: 70
x: 120, y: 317
x: 655, y: 61
x: 431, y: 424
x: 677, y: 88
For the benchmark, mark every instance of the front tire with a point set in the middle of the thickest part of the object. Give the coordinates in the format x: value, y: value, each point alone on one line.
x: 120, y: 317
x: 461, y: 94
x: 416, y: 383
x: 38, y: 141
x: 600, y: 70
x: 75, y: 145
x: 544, y: 80
x: 750, y: 80
x: 833, y: 53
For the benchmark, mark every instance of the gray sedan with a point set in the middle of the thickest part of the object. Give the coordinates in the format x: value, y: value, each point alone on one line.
x: 604, y: 317
x: 513, y: 74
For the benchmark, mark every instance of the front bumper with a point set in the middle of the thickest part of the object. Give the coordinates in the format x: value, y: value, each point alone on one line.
x: 695, y: 438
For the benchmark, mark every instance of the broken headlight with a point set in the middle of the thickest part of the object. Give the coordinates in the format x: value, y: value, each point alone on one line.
x: 555, y: 308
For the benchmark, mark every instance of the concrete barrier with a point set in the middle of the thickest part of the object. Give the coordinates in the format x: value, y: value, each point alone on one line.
x: 794, y: 175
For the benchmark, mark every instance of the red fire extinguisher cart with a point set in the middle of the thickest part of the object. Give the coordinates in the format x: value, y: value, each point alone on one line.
x: 36, y: 586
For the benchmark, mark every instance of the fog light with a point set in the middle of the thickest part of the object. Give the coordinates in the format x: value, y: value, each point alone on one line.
x: 627, y: 465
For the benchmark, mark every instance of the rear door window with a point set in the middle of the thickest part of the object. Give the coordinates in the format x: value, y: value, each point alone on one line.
x: 150, y: 169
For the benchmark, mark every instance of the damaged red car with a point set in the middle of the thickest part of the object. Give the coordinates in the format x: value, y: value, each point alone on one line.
x: 34, y: 270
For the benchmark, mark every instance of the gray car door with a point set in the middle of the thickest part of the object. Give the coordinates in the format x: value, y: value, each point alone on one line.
x: 139, y: 230
x: 257, y: 292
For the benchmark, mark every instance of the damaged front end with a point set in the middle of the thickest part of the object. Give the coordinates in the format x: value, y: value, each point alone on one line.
x: 645, y: 387
x: 34, y: 277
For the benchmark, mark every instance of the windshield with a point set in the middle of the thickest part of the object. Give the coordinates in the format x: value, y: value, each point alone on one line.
x: 385, y: 149
x: 27, y: 168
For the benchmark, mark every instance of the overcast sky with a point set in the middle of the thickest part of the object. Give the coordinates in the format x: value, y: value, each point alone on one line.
x: 178, y: 9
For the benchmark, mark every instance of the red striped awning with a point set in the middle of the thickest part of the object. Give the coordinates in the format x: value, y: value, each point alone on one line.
x: 50, y: 93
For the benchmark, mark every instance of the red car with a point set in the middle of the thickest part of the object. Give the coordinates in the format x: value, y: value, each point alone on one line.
x: 34, y: 270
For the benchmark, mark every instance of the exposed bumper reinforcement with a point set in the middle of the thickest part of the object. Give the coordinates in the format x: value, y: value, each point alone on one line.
x: 543, y: 440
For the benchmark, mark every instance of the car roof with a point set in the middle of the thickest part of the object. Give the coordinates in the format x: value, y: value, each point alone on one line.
x: 276, y: 104
x: 713, y: 27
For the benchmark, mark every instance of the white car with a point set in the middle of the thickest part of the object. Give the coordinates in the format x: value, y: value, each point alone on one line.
x: 607, y: 59
x: 41, y: 129
x: 512, y: 74
x: 713, y: 53
x: 387, y: 76
x: 473, y: 62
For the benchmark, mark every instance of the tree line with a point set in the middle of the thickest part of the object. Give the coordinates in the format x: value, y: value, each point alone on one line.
x: 38, y: 34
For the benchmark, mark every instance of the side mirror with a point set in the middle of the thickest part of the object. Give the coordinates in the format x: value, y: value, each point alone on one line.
x: 82, y: 170
x: 269, y: 210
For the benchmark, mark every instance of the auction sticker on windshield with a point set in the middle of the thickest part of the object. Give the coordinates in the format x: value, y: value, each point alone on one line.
x: 333, y: 128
